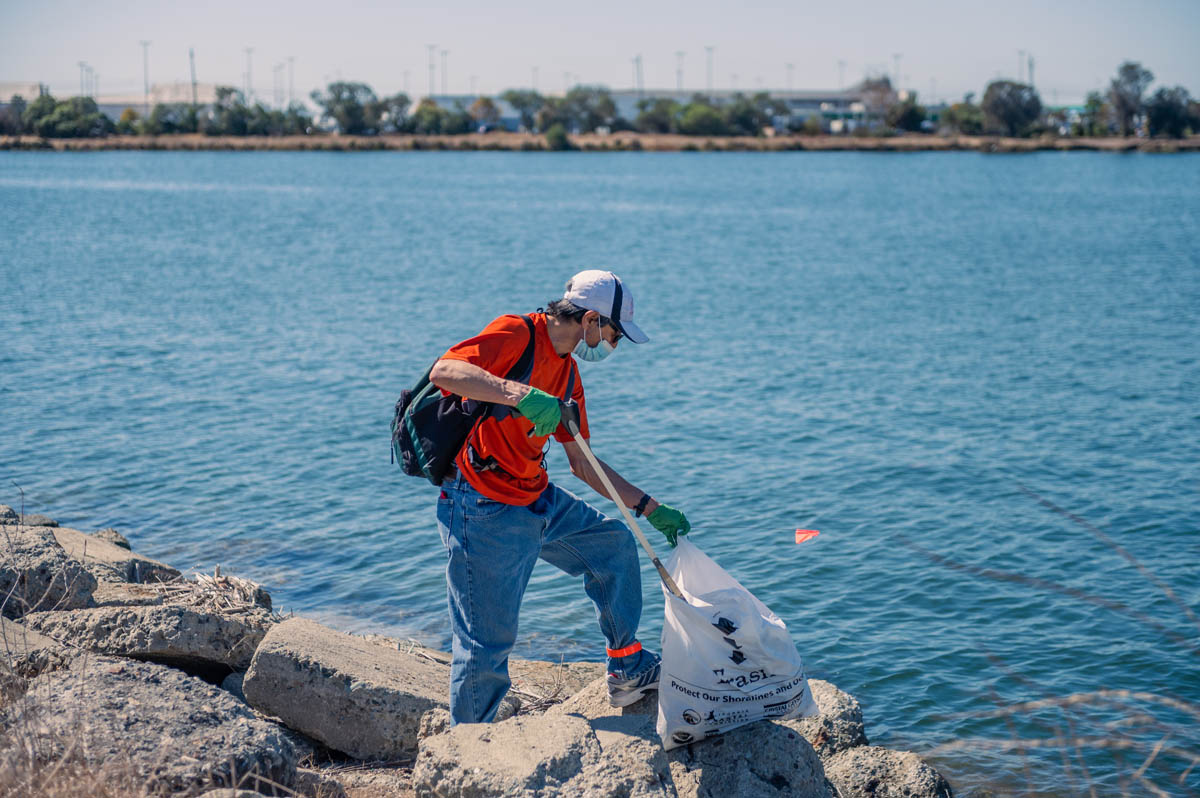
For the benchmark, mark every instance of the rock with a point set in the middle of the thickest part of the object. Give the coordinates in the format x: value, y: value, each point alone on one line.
x: 111, y: 563
x: 315, y: 784
x: 8, y: 515
x: 592, y: 702
x: 380, y: 782
x: 354, y: 696
x: 233, y: 684
x: 169, y: 633
x: 537, y: 679
x: 37, y: 574
x: 126, y: 594
x: 37, y: 519
x: 838, y: 727
x: 26, y: 654
x: 874, y: 772
x: 614, y: 755
x: 760, y: 759
x: 114, y: 537
x: 175, y: 733
x: 434, y: 721
x: 552, y: 681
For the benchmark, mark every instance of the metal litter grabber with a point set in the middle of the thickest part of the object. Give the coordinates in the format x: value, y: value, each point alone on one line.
x: 570, y: 419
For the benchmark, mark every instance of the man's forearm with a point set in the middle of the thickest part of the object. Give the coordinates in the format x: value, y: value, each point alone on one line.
x: 629, y: 493
x: 473, y: 382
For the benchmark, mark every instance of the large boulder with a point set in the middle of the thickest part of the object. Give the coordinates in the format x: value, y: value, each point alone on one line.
x: 8, y: 515
x: 874, y: 772
x: 109, y: 562
x: 614, y: 755
x: 838, y: 727
x: 24, y: 654
x: 172, y: 634
x: 159, y: 727
x: 355, y: 696
x: 37, y: 574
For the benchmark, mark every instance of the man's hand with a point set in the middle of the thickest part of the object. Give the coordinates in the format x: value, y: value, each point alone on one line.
x: 542, y: 409
x: 670, y: 522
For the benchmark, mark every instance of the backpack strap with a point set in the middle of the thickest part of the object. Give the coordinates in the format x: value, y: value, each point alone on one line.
x: 522, y: 370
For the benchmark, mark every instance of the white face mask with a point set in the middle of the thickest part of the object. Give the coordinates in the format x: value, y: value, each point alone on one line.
x: 592, y: 354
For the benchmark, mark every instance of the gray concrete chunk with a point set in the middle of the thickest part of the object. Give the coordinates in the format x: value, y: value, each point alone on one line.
x: 355, y: 696
x: 37, y: 574
x: 171, y: 732
x: 108, y: 562
x: 614, y: 755
x: 874, y: 772
x: 168, y: 633
x: 839, y: 724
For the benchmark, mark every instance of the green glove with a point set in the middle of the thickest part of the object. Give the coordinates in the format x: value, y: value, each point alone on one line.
x: 542, y: 409
x: 670, y: 522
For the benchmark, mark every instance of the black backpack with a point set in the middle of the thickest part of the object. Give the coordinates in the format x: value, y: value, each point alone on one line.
x: 429, y: 428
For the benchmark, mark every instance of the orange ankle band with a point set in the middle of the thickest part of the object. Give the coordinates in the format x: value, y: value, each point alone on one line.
x: 617, y: 653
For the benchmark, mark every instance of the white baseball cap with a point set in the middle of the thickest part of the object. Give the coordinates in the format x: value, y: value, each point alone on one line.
x: 603, y: 292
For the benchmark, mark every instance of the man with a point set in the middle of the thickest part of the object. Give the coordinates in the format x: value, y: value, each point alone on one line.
x: 498, y: 511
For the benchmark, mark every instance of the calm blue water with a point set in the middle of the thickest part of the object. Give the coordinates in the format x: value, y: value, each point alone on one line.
x: 203, y: 351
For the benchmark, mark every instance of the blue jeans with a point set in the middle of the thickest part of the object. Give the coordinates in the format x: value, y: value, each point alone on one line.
x: 491, y: 549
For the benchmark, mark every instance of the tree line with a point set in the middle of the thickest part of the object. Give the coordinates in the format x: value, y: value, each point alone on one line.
x: 1007, y: 108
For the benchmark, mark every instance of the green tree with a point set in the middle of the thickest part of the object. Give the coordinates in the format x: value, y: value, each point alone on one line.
x: 1167, y: 112
x: 702, y: 119
x: 589, y: 107
x: 965, y: 117
x: 352, y: 107
x: 556, y: 137
x: 526, y: 103
x: 229, y: 115
x: 457, y: 120
x: 391, y: 113
x: 129, y: 123
x: 1125, y: 94
x: 169, y: 118
x: 906, y: 115
x: 10, y: 117
x: 657, y: 115
x: 1010, y: 107
x: 427, y: 119
x: 75, y: 117
x: 553, y: 112
x: 484, y: 112
x: 1094, y: 120
x: 747, y: 116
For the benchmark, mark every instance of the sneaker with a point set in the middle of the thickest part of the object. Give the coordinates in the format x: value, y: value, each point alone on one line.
x: 623, y: 690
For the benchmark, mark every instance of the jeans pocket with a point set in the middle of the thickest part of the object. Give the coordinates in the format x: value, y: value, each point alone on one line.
x: 482, y: 507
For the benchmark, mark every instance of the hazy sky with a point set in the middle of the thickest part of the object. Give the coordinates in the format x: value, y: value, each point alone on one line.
x: 947, y: 48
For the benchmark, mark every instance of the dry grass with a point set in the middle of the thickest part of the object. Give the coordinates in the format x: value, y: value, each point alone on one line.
x: 1160, y: 733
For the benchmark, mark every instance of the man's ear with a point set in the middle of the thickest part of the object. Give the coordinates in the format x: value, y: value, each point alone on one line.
x: 587, y: 318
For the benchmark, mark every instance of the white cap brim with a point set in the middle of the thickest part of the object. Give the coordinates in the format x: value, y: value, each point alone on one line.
x: 633, y: 332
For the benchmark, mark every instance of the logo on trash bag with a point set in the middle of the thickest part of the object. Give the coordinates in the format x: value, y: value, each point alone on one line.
x: 682, y: 737
x: 691, y: 716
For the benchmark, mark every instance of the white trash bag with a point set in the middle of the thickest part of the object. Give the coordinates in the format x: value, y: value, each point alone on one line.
x: 727, y: 660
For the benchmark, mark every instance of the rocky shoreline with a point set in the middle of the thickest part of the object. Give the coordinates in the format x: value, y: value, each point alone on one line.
x: 614, y: 142
x: 121, y: 676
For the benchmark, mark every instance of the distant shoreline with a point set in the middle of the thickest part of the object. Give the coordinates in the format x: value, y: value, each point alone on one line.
x: 593, y: 142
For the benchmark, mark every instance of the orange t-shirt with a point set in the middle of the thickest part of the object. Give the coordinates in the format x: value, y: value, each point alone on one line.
x: 520, y: 478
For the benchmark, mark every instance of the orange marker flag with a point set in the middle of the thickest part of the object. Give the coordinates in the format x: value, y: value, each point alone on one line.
x: 803, y: 535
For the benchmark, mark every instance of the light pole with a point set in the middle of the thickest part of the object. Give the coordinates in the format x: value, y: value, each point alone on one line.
x: 292, y: 82
x: 82, y: 79
x: 444, y: 54
x: 708, y: 51
x: 249, y: 76
x: 790, y: 67
x: 896, y: 58
x: 841, y: 75
x: 145, y: 75
x: 679, y: 71
x: 432, y: 67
